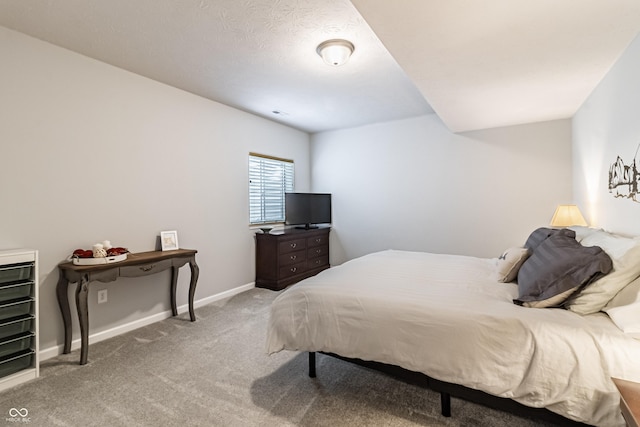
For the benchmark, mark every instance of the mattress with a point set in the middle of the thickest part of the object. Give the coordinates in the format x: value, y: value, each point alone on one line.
x: 447, y: 317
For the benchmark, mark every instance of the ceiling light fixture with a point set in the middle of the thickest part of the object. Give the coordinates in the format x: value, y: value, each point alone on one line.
x: 335, y: 52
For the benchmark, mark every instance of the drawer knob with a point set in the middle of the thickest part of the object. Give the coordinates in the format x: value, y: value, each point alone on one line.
x: 294, y: 269
x: 318, y: 240
x: 293, y: 257
x: 146, y: 268
x: 318, y: 251
x: 317, y: 261
x: 293, y: 245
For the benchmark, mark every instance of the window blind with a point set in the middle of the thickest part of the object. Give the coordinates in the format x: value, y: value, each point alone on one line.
x: 269, y: 179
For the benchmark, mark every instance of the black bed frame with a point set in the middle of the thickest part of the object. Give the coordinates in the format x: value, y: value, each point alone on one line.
x: 447, y: 390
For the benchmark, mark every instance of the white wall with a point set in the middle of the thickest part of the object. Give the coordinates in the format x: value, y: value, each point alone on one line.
x: 414, y: 185
x: 90, y: 152
x: 606, y: 126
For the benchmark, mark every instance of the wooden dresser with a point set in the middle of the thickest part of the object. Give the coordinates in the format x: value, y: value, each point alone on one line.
x: 288, y: 256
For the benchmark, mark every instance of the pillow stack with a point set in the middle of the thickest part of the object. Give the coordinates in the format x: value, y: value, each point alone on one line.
x: 582, y: 269
x: 625, y: 254
x: 617, y: 294
x: 559, y: 266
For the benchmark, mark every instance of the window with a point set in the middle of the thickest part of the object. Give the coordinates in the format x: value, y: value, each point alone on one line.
x: 269, y: 179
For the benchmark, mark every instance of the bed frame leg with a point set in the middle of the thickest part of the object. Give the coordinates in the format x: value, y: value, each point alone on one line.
x: 445, y: 404
x: 312, y: 364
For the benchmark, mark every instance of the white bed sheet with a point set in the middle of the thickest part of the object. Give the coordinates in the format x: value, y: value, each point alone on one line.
x: 445, y: 316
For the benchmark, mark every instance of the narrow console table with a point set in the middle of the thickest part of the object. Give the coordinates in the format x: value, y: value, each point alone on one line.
x: 136, y: 265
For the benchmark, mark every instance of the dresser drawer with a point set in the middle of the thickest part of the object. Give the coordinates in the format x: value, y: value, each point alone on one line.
x: 318, y: 262
x: 291, y: 245
x: 17, y: 362
x: 292, y: 257
x: 293, y: 269
x: 16, y: 308
x: 16, y: 325
x: 16, y: 344
x: 16, y: 272
x: 144, y: 269
x: 318, y: 240
x: 317, y: 251
x: 15, y: 291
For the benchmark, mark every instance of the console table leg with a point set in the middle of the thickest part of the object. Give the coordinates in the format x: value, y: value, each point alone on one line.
x: 195, y: 272
x: 63, y: 302
x: 174, y: 287
x: 82, y: 292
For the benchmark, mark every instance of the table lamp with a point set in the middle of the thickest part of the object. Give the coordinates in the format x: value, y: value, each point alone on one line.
x: 567, y: 215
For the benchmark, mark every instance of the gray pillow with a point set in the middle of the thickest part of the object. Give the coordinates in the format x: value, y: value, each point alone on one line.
x: 541, y: 234
x: 558, y: 267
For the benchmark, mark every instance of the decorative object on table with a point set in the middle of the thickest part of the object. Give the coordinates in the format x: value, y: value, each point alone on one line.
x: 266, y: 230
x: 169, y: 240
x: 99, y: 254
x: 99, y: 251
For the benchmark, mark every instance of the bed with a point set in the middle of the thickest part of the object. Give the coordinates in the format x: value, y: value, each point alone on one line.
x: 459, y: 320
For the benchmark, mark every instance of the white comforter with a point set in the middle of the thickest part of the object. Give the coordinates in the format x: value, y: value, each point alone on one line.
x: 445, y: 316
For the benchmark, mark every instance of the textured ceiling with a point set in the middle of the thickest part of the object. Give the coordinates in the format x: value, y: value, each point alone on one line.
x: 479, y: 63
x: 491, y: 63
x: 258, y: 56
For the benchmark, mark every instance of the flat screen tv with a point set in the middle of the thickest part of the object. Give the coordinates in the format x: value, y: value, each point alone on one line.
x: 307, y: 210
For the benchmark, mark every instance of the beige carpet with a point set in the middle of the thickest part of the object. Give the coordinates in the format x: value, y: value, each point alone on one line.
x: 215, y: 372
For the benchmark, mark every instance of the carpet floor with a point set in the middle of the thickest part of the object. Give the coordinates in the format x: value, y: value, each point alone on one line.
x: 215, y: 372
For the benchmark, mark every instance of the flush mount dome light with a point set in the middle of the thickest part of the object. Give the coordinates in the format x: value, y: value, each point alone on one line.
x: 335, y: 52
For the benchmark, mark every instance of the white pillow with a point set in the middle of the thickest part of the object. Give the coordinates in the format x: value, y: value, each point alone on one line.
x: 582, y: 232
x: 627, y: 295
x: 613, y: 244
x: 626, y: 268
x: 627, y: 318
x: 509, y: 263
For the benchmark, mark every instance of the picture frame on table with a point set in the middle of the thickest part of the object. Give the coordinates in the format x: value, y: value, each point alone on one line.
x: 169, y: 240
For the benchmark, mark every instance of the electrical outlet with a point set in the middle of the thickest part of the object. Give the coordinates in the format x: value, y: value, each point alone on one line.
x: 102, y: 296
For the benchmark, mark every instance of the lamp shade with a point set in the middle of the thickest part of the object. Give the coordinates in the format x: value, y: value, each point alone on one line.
x: 567, y: 215
x: 335, y: 52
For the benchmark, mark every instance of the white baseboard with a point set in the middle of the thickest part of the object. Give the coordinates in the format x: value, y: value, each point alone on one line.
x: 54, y: 351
